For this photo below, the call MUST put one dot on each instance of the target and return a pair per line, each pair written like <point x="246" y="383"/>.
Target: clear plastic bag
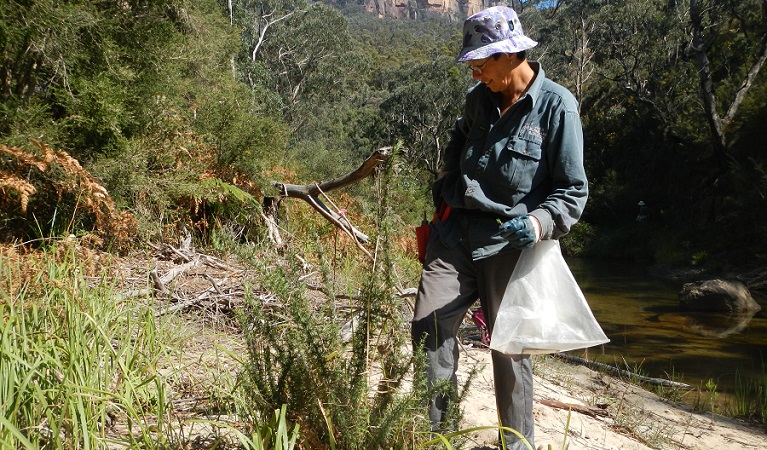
<point x="543" y="309"/>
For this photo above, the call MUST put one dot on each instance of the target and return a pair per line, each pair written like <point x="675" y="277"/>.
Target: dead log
<point x="598" y="366"/>
<point x="311" y="193"/>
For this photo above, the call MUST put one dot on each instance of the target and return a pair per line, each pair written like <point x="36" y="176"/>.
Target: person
<point x="644" y="211"/>
<point x="514" y="158"/>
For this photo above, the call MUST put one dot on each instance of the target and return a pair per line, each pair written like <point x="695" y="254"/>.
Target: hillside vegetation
<point x="127" y="126"/>
<point x="186" y="111"/>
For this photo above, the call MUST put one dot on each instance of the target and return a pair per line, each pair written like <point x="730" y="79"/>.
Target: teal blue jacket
<point x="528" y="161"/>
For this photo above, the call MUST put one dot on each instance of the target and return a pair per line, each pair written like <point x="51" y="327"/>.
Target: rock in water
<point x="717" y="296"/>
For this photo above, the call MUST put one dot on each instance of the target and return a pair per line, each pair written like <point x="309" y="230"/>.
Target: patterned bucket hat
<point x="493" y="30"/>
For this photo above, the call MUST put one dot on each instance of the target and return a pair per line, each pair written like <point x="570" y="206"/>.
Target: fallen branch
<point x="159" y="285"/>
<point x="310" y="193"/>
<point x="273" y="229"/>
<point x="620" y="372"/>
<point x="593" y="412"/>
<point x="178" y="270"/>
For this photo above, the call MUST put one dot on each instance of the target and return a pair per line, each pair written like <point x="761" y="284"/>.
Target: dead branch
<point x="184" y="304"/>
<point x="273" y="230"/>
<point x="593" y="412"/>
<point x="178" y="270"/>
<point x="205" y="295"/>
<point x="598" y="366"/>
<point x="310" y="193"/>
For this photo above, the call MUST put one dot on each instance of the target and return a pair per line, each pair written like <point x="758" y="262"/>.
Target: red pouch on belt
<point x="422" y="238"/>
<point x="422" y="231"/>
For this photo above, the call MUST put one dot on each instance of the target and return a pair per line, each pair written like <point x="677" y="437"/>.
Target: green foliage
<point x="153" y="97"/>
<point x="580" y="238"/>
<point x="392" y="43"/>
<point x="275" y="434"/>
<point x="70" y="362"/>
<point x="143" y="96"/>
<point x="297" y="357"/>
<point x="81" y="58"/>
<point x="751" y="397"/>
<point x="423" y="103"/>
<point x="243" y="142"/>
<point x="338" y="366"/>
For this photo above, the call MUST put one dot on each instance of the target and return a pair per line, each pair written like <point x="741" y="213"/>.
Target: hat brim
<point x="512" y="45"/>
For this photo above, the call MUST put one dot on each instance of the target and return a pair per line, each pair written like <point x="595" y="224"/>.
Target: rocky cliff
<point x="415" y="9"/>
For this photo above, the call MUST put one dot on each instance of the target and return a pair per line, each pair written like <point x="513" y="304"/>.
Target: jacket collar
<point x="533" y="93"/>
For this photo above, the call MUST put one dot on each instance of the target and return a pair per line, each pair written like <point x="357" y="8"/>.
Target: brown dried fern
<point x="91" y="196"/>
<point x="11" y="183"/>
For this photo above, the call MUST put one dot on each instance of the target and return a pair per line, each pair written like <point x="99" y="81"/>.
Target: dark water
<point x="640" y="315"/>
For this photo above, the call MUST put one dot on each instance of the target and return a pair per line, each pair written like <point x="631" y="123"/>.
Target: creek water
<point x="650" y="334"/>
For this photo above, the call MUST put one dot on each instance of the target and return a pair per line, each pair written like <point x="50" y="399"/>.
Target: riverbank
<point x="579" y="409"/>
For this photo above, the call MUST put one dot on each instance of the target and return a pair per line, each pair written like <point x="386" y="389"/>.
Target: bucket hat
<point x="493" y="30"/>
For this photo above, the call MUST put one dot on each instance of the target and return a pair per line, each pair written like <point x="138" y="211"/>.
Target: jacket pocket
<point x="519" y="164"/>
<point x="523" y="148"/>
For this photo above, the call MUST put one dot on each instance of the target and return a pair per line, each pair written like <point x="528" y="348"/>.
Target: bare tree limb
<point x="747" y="83"/>
<point x="311" y="192"/>
<point x="159" y="285"/>
<point x="595" y="365"/>
<point x="706" y="81"/>
<point x="266" y="25"/>
<point x="593" y="412"/>
<point x="366" y="169"/>
<point x="273" y="229"/>
<point x="717" y="123"/>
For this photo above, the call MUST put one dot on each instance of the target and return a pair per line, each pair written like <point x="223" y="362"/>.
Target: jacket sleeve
<point x="451" y="156"/>
<point x="452" y="153"/>
<point x="564" y="206"/>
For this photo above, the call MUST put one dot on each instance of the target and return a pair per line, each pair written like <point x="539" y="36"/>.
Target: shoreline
<point x="583" y="409"/>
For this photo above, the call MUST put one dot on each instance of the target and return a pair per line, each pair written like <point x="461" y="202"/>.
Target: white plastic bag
<point x="543" y="310"/>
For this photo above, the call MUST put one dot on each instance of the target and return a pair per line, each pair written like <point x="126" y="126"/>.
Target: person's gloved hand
<point x="519" y="231"/>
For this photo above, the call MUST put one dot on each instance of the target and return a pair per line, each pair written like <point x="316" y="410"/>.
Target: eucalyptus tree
<point x="294" y="49"/>
<point x="677" y="89"/>
<point x="674" y="57"/>
<point x="564" y="32"/>
<point x="729" y="43"/>
<point x="640" y="48"/>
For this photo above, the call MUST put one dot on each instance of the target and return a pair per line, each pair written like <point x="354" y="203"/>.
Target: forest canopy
<point x="185" y="111"/>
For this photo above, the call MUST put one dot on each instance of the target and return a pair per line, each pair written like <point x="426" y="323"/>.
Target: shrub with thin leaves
<point x="342" y="368"/>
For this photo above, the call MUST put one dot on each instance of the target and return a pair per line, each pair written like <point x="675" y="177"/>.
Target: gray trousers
<point x="450" y="283"/>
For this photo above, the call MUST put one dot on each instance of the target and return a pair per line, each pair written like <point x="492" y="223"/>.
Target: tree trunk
<point x="718" y="124"/>
<point x="707" y="85"/>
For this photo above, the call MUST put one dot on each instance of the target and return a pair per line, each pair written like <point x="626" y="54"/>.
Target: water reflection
<point x="719" y="325"/>
<point x="647" y="329"/>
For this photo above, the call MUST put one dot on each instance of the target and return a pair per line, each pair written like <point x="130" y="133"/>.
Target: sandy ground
<point x="607" y="413"/>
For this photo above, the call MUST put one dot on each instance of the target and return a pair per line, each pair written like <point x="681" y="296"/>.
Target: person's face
<point x="494" y="72"/>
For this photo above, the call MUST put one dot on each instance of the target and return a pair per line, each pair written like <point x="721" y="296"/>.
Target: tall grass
<point x="74" y="361"/>
<point x="751" y="397"/>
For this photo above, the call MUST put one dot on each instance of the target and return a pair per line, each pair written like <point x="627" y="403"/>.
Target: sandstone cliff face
<point x="415" y="9"/>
